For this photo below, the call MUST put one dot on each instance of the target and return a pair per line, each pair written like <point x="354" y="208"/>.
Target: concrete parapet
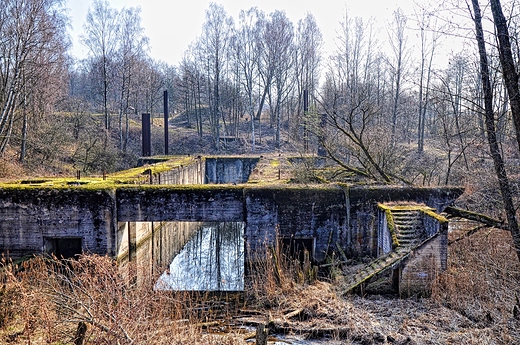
<point x="316" y="214"/>
<point x="179" y="203"/>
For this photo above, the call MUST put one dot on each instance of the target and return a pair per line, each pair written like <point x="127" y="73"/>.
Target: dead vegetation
<point x="93" y="301"/>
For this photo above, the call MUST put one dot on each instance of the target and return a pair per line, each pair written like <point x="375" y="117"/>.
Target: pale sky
<point x="173" y="25"/>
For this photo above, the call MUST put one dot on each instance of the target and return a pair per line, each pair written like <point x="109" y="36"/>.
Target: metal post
<point x="305" y="110"/>
<point x="146" y="135"/>
<point x="322" y="152"/>
<point x="165" y="96"/>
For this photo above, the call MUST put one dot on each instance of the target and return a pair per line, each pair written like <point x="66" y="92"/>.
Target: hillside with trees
<point x="391" y="104"/>
<point x="381" y="107"/>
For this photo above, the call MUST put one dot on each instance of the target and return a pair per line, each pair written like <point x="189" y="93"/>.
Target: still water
<point x="212" y="260"/>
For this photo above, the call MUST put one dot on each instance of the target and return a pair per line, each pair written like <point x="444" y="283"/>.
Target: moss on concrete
<point x="429" y="211"/>
<point x="134" y="176"/>
<point x="391" y="224"/>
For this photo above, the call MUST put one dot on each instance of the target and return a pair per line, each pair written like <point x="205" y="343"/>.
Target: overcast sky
<point x="173" y="25"/>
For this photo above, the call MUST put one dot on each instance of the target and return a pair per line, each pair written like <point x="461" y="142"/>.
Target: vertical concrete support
<point x="132" y="241"/>
<point x="166" y="114"/>
<point x="146" y="135"/>
<point x="384" y="237"/>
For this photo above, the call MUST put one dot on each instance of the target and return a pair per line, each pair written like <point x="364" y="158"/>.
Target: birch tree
<point x="32" y="44"/>
<point x="214" y="42"/>
<point x="100" y="37"/>
<point x="279" y="36"/>
<point x="247" y="52"/>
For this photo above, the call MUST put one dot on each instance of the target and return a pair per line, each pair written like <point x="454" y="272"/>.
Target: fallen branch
<point x="454" y="212"/>
<point x="468" y="234"/>
<point x="249" y="335"/>
<point x="292" y="314"/>
<point x="207" y="324"/>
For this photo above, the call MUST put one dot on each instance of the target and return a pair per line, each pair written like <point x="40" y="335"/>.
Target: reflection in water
<point x="213" y="260"/>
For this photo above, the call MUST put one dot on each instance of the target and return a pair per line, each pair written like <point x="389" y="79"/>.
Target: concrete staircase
<point x="374" y="268"/>
<point x="409" y="230"/>
<point x="408" y="226"/>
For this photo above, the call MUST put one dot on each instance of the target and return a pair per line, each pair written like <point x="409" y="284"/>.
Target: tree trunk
<point x="23" y="147"/>
<point x="505" y="189"/>
<point x="508" y="64"/>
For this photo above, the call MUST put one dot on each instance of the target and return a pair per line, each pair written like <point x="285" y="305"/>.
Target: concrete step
<point x="408" y="224"/>
<point x="378" y="266"/>
<point x="406" y="238"/>
<point x="373" y="268"/>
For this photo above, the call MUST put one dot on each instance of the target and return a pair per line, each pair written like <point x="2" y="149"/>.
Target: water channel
<point x="211" y="260"/>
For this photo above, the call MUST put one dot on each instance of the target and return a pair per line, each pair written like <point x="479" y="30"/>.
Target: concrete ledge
<point x="180" y="203"/>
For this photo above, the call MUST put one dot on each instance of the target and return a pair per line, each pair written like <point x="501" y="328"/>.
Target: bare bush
<point x="481" y="282"/>
<point x="46" y="299"/>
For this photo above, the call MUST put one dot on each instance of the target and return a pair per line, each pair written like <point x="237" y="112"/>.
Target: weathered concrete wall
<point x="221" y="170"/>
<point x="362" y="237"/>
<point x="176" y="203"/>
<point x="423" y="265"/>
<point x="329" y="215"/>
<point x="229" y="169"/>
<point x="193" y="173"/>
<point x="297" y="212"/>
<point x="28" y="215"/>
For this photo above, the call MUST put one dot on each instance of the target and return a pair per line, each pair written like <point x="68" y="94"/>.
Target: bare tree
<point x="101" y="33"/>
<point x="308" y="58"/>
<point x="509" y="70"/>
<point x="350" y="102"/>
<point x="278" y="38"/>
<point x="503" y="181"/>
<point x="426" y="25"/>
<point x="31" y="40"/>
<point x="192" y="88"/>
<point x="247" y="50"/>
<point x="398" y="41"/>
<point x="132" y="47"/>
<point x="214" y="42"/>
<point x="450" y="100"/>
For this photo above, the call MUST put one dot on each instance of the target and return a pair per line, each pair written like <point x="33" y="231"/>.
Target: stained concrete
<point x="329" y="214"/>
<point x="29" y="215"/>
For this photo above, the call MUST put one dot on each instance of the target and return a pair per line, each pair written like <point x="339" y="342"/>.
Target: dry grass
<point x="472" y="303"/>
<point x="42" y="302"/>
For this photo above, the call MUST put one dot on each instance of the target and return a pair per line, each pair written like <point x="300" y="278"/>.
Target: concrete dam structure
<point x="397" y="226"/>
